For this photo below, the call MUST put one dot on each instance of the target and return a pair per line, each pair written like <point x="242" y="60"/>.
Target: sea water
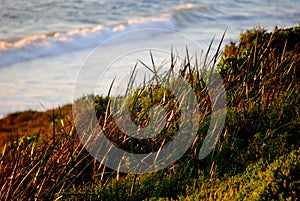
<point x="45" y="44"/>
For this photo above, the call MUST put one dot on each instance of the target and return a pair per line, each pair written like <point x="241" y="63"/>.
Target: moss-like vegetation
<point x="256" y="158"/>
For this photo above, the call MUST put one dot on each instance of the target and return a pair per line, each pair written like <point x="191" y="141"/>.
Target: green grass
<point x="256" y="158"/>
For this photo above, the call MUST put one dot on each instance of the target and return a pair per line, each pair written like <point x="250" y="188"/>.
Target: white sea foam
<point x="57" y="43"/>
<point x="185" y="6"/>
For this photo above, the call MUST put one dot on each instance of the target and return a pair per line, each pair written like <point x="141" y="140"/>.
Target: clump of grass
<point x="39" y="167"/>
<point x="261" y="76"/>
<point x="263" y="118"/>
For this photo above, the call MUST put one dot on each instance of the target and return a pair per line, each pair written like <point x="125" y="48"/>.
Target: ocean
<point x="46" y="45"/>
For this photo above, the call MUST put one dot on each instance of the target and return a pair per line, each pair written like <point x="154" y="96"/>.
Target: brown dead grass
<point x="30" y="122"/>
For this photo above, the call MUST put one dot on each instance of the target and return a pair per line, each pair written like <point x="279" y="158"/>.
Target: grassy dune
<point x="30" y="122"/>
<point x="256" y="158"/>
